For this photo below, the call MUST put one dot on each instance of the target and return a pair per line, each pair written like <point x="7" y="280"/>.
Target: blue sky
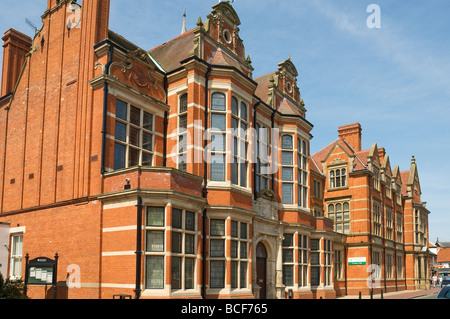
<point x="394" y="80"/>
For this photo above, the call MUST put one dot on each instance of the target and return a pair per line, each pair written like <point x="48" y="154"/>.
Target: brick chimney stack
<point x="15" y="47"/>
<point x="352" y="134"/>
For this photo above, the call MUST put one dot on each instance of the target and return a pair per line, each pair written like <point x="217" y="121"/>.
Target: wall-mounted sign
<point x="41" y="271"/>
<point x="357" y="261"/>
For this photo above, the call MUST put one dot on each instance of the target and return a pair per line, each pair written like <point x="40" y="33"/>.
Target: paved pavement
<point x="406" y="294"/>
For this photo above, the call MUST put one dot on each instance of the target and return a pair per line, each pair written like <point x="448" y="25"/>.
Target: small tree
<point x="11" y="289"/>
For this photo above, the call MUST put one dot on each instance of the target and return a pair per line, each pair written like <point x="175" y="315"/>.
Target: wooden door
<point x="261" y="270"/>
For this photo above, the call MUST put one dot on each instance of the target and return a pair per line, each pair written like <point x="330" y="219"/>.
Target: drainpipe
<point x="205" y="182"/>
<point x="256" y="150"/>
<point x="273" y="127"/>
<point x="105" y="106"/>
<point x="345" y="268"/>
<point x="395" y="239"/>
<point x="166" y="122"/>
<point x="383" y="216"/>
<point x="370" y="222"/>
<point x="138" y="248"/>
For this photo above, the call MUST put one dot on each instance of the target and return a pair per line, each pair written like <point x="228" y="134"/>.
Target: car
<point x="444" y="293"/>
<point x="445" y="280"/>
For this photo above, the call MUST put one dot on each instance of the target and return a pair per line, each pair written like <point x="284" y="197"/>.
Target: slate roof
<point x="262" y="91"/>
<point x="170" y="54"/>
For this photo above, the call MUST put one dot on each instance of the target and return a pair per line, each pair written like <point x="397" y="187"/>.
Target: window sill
<point x="337" y="189"/>
<point x="227" y="186"/>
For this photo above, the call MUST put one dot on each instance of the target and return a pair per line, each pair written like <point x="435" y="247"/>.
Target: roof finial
<point x="184" y="29"/>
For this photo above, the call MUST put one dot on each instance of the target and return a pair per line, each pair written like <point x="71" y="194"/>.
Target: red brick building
<point x="379" y="210"/>
<point x="172" y="173"/>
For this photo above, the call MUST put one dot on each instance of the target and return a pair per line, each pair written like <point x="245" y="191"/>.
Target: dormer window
<point x="338" y="178"/>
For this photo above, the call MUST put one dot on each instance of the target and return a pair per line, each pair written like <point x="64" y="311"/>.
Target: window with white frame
<point x="133" y="136"/>
<point x="182" y="132"/>
<point x="389" y="223"/>
<point x="184" y="250"/>
<point x="338" y="264"/>
<point x="239" y="254"/>
<point x="16" y="256"/>
<point x="303" y="260"/>
<point x="218" y="137"/>
<point x="399" y="194"/>
<point x="217" y="253"/>
<point x="376" y="219"/>
<point x="399" y="267"/>
<point x="302" y="166"/>
<point x="338" y="177"/>
<point x="388" y="187"/>
<point x="340" y="213"/>
<point x="327" y="264"/>
<point x="315" y="262"/>
<point x="183" y="253"/>
<point x="376" y="260"/>
<point x="262" y="157"/>
<point x="155" y="247"/>
<point x="376" y="179"/>
<point x="399" y="227"/>
<point x="317" y="189"/>
<point x="288" y="260"/>
<point x="239" y="126"/>
<point x="287" y="169"/>
<point x="389" y="266"/>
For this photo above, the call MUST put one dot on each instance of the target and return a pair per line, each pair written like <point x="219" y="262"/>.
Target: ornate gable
<point x="223" y="26"/>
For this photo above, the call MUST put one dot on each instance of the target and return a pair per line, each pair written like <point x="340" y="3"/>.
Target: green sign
<point x="357" y="261"/>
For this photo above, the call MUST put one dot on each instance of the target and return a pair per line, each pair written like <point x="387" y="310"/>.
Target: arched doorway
<point x="261" y="270"/>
